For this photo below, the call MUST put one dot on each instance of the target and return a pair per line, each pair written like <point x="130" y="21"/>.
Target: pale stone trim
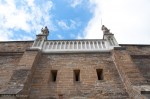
<point x="73" y="45"/>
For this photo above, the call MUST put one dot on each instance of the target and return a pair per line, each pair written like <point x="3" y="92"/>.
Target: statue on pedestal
<point x="45" y="31"/>
<point x="105" y="29"/>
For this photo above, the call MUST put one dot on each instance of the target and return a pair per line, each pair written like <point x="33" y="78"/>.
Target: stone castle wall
<point x="88" y="87"/>
<point x="8" y="64"/>
<point x="15" y="46"/>
<point x="123" y="70"/>
<point x="140" y="55"/>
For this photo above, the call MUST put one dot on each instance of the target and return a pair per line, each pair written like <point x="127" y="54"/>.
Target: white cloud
<point x="60" y="36"/>
<point x="24" y="15"/>
<point x="128" y="20"/>
<point x="71" y="24"/>
<point x="4" y="34"/>
<point x="74" y="24"/>
<point x="23" y="37"/>
<point x="75" y="3"/>
<point x="63" y="25"/>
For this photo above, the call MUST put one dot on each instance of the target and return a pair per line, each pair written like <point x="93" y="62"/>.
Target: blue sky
<point x="129" y="20"/>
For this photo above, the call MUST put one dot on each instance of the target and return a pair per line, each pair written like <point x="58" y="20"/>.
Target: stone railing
<point x="72" y="45"/>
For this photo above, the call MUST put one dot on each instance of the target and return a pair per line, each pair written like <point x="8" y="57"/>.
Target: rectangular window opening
<point x="53" y="75"/>
<point x="77" y="75"/>
<point x="99" y="74"/>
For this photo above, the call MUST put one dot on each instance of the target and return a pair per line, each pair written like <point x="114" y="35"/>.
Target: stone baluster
<point x="89" y="44"/>
<point x="73" y="47"/>
<point x="65" y="44"/>
<point x="93" y="44"/>
<point x="44" y="45"/>
<point x="42" y="42"/>
<point x="61" y="45"/>
<point x="109" y="40"/>
<point x="77" y="44"/>
<point x="85" y="45"/>
<point x="52" y="45"/>
<point x="101" y="44"/>
<point x="74" y="44"/>
<point x="104" y="45"/>
<point x="112" y="41"/>
<point x="97" y="44"/>
<point x="58" y="45"/>
<point x="34" y="44"/>
<point x="37" y="43"/>
<point x="81" y="44"/>
<point x="49" y="45"/>
<point x="68" y="44"/>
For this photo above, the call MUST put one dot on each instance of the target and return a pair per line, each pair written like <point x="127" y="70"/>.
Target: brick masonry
<point x="88" y="86"/>
<point x="130" y="64"/>
<point x="15" y="46"/>
<point x="8" y="63"/>
<point x="26" y="73"/>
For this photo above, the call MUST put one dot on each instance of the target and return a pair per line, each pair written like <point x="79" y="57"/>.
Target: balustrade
<point x="75" y="45"/>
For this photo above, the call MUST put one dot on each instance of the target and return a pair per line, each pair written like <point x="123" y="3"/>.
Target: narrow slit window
<point x="53" y="75"/>
<point x="99" y="74"/>
<point x="77" y="75"/>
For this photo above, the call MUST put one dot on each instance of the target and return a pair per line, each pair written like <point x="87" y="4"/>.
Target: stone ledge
<point x="10" y="53"/>
<point x="32" y="49"/>
<point x="79" y="52"/>
<point x="119" y="48"/>
<point x="12" y="91"/>
<point x="143" y="89"/>
<point x="140" y="56"/>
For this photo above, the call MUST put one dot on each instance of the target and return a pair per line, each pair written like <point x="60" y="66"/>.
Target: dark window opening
<point x="99" y="74"/>
<point x="60" y="96"/>
<point x="53" y="75"/>
<point x="77" y="75"/>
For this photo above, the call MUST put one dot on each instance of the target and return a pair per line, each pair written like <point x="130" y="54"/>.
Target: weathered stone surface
<point x="88" y="86"/>
<point x="143" y="64"/>
<point x="137" y="49"/>
<point x="8" y="64"/>
<point x="19" y="75"/>
<point x="129" y="72"/>
<point x="26" y="73"/>
<point x="15" y="46"/>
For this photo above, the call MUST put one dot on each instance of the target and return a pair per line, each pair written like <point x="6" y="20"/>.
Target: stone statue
<point x="42" y="30"/>
<point x="45" y="31"/>
<point x="105" y="29"/>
